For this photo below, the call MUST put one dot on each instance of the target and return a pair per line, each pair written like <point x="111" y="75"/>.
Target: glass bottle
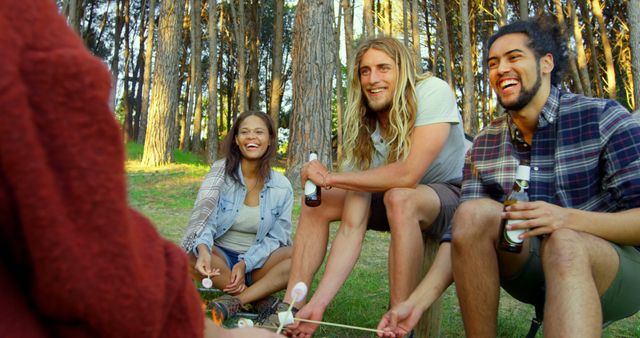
<point x="509" y="240"/>
<point x="312" y="192"/>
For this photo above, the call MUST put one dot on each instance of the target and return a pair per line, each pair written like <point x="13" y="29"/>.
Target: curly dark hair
<point x="545" y="36"/>
<point x="232" y="151"/>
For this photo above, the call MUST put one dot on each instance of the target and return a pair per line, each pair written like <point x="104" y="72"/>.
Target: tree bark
<point x="606" y="46"/>
<point x="581" y="58"/>
<point x="158" y="146"/>
<point x="196" y="69"/>
<point x="339" y="98"/>
<point x="415" y="35"/>
<point x="444" y="31"/>
<point x="573" y="70"/>
<point x="367" y="18"/>
<point x="523" y="5"/>
<point x="146" y="89"/>
<point x="277" y="85"/>
<point x="469" y="107"/>
<point x="239" y="34"/>
<point x="348" y="28"/>
<point x="313" y="48"/>
<point x="212" y="112"/>
<point x="595" y="67"/>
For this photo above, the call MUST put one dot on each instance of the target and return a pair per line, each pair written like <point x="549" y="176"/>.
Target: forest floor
<point x="166" y="195"/>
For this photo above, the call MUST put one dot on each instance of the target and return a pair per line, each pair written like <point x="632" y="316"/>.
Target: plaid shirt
<point x="585" y="154"/>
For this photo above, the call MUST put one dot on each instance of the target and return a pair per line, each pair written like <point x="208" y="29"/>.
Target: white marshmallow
<point x="299" y="291"/>
<point x="285" y="318"/>
<point x="207" y="282"/>
<point x="245" y="322"/>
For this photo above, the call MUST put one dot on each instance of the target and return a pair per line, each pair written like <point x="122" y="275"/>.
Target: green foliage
<point x="166" y="196"/>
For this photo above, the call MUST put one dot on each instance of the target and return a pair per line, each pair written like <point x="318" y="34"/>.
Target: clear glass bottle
<point x="312" y="192"/>
<point x="509" y="240"/>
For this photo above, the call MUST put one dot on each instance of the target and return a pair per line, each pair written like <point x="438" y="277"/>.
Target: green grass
<point x="166" y="195"/>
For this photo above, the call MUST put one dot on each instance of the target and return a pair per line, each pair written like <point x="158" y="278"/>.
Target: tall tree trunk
<point x="595" y="67"/>
<point x="415" y="34"/>
<point x="501" y="12"/>
<point x="388" y="24"/>
<point x="606" y="46"/>
<point x="239" y="33"/>
<point x="581" y="58"/>
<point x="444" y="31"/>
<point x="523" y="5"/>
<point x="339" y="98"/>
<point x="277" y="85"/>
<point x="254" y="57"/>
<point x="146" y="89"/>
<point x="115" y="62"/>
<point x="348" y="28"/>
<point x="73" y="16"/>
<point x="313" y="48"/>
<point x="405" y="22"/>
<point x="633" y="18"/>
<point x="158" y="146"/>
<point x="212" y="111"/>
<point x="196" y="69"/>
<point x="139" y="72"/>
<point x="573" y="70"/>
<point x="469" y="107"/>
<point x="126" y="101"/>
<point x="367" y="18"/>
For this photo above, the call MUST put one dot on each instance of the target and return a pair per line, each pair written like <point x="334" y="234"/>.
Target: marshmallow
<point x="298" y="292"/>
<point x="207" y="282"/>
<point x="285" y="318"/>
<point x="245" y="322"/>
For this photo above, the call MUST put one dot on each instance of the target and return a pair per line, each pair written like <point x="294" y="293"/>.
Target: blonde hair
<point x="360" y="122"/>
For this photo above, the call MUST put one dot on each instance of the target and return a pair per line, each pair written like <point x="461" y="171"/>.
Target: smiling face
<point x="378" y="78"/>
<point x="253" y="138"/>
<point x="514" y="71"/>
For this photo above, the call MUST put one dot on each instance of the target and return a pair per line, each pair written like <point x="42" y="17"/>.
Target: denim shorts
<point x="231" y="257"/>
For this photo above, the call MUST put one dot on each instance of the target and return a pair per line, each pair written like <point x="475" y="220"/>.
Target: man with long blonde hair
<point x="404" y="155"/>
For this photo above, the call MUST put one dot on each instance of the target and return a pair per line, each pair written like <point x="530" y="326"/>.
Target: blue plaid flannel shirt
<point x="585" y="155"/>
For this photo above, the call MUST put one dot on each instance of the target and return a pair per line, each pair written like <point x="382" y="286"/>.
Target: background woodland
<point x="182" y="70"/>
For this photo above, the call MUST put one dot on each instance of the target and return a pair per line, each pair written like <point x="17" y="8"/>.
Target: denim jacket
<point x="276" y="203"/>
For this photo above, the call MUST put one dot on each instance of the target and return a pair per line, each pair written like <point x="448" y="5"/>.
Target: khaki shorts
<point x="449" y="195"/>
<point x="621" y="299"/>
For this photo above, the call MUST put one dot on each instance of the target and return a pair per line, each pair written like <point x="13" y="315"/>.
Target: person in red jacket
<point x="75" y="260"/>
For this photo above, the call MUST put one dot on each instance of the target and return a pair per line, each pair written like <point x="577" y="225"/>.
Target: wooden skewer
<point x="338" y="325"/>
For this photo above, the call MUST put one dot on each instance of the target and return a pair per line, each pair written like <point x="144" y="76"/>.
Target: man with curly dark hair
<point x="578" y="261"/>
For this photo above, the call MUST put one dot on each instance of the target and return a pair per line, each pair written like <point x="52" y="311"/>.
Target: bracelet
<point x="324" y="180"/>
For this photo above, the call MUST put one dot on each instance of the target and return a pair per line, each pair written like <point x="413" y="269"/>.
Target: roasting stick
<point x="338" y="325"/>
<point x="297" y="294"/>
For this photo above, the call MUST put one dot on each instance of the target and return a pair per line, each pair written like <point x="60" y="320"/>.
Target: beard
<point x="526" y="95"/>
<point x="378" y="106"/>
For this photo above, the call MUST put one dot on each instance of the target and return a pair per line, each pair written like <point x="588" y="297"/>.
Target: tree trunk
<point x="128" y="111"/>
<point x="339" y="98"/>
<point x="595" y="67"/>
<point x="212" y="111"/>
<point x="444" y="31"/>
<point x="415" y="35"/>
<point x="196" y="69"/>
<point x="469" y="107"/>
<point x="501" y="12"/>
<point x="239" y="34"/>
<point x="277" y="85"/>
<point x="633" y="18"/>
<point x="606" y="46"/>
<point x="139" y="70"/>
<point x="388" y="24"/>
<point x="405" y="22"/>
<point x="115" y="62"/>
<point x="367" y="18"/>
<point x="158" y="146"/>
<point x="146" y="89"/>
<point x="348" y="28"/>
<point x="581" y="58"/>
<point x="573" y="70"/>
<point x="313" y="48"/>
<point x="254" y="57"/>
<point x="523" y="5"/>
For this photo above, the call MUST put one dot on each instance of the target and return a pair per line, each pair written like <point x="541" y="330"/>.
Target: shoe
<point x="224" y="307"/>
<point x="269" y="317"/>
<point x="264" y="304"/>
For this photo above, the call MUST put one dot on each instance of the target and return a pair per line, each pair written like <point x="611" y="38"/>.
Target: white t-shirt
<point x="436" y="104"/>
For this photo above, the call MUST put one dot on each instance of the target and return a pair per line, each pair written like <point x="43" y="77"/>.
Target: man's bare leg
<point x="578" y="269"/>
<point x="312" y="235"/>
<point x="475" y="265"/>
<point x="409" y="211"/>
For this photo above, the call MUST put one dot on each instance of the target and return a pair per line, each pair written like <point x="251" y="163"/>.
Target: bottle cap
<point x="523" y="172"/>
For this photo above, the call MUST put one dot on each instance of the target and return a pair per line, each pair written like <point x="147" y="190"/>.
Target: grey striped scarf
<point x="205" y="204"/>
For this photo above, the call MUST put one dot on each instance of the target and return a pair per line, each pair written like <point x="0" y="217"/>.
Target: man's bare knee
<point x="475" y="219"/>
<point x="562" y="250"/>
